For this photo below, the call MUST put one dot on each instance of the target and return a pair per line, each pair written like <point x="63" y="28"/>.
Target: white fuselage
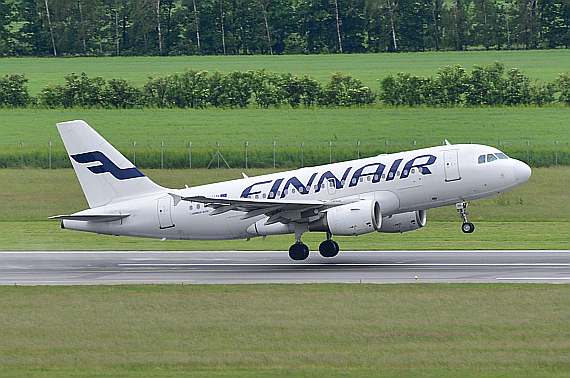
<point x="400" y="182"/>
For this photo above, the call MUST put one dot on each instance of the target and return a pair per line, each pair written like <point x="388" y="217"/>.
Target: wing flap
<point x="277" y="210"/>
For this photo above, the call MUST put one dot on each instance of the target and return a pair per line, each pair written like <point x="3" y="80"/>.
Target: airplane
<point x="385" y="193"/>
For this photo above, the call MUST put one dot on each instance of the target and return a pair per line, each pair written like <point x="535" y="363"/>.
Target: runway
<point x="232" y="267"/>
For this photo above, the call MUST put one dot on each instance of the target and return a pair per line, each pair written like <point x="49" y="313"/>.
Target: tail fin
<point x="105" y="175"/>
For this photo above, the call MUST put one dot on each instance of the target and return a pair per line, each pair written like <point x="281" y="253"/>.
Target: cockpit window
<point x="481" y="159"/>
<point x="501" y="155"/>
<point x="491" y="157"/>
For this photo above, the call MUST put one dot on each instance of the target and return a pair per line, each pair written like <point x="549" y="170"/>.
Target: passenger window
<point x="501" y="155"/>
<point x="481" y="159"/>
<point x="491" y="157"/>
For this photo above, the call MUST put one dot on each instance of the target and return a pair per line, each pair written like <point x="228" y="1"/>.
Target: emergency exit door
<point x="164" y="213"/>
<point x="451" y="166"/>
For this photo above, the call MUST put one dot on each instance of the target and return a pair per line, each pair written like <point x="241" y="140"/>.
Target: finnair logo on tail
<point x="106" y="165"/>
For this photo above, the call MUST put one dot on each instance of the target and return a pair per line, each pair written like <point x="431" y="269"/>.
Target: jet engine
<point x="352" y="219"/>
<point x="404" y="222"/>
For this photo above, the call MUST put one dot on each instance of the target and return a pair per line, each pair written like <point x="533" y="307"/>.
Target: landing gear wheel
<point x="468" y="227"/>
<point x="328" y="248"/>
<point x="298" y="251"/>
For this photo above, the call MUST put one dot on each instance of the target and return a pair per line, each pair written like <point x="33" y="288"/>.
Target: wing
<point x="283" y="211"/>
<point x="92" y="217"/>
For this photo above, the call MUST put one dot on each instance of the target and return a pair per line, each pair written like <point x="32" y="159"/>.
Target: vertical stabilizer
<point x="105" y="175"/>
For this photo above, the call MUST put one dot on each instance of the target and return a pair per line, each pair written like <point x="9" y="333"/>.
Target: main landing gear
<point x="300" y="251"/>
<point x="466" y="227"/>
<point x="328" y="248"/>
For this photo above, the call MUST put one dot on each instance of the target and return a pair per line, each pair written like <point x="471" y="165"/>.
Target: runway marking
<point x="537" y="251"/>
<point x="533" y="278"/>
<point x="338" y="264"/>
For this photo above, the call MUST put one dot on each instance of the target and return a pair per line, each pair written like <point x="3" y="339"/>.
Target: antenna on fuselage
<point x="447" y="143"/>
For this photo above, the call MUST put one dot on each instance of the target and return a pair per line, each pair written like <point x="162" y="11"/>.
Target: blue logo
<point x="374" y="170"/>
<point x="106" y="165"/>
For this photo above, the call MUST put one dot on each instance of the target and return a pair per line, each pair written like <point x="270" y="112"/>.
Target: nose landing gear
<point x="466" y="227"/>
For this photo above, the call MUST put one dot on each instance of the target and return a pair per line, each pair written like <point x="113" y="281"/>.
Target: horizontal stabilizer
<point x="92" y="217"/>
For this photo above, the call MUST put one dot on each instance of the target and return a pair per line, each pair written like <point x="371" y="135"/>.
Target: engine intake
<point x="404" y="222"/>
<point x="352" y="219"/>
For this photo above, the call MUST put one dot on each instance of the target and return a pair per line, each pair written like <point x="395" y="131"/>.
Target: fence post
<point x="134" y="153"/>
<point x="246" y="144"/>
<point x="330" y="152"/>
<point x="500" y="144"/>
<point x="414" y="144"/>
<point x="302" y="154"/>
<point x="273" y="155"/>
<point x="49" y="155"/>
<point x="527" y="152"/>
<point x="556" y="143"/>
<point x="358" y="150"/>
<point x="161" y="155"/>
<point x="22" y="144"/>
<point x="190" y="155"/>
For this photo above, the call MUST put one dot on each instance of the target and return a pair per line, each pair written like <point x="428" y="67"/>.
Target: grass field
<point x="541" y="65"/>
<point x="534" y="216"/>
<point x="290" y="127"/>
<point x="416" y="330"/>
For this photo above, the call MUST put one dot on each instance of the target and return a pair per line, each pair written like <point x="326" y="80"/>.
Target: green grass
<point x="534" y="216"/>
<point x="542" y="65"/>
<point x="290" y="127"/>
<point x="415" y="330"/>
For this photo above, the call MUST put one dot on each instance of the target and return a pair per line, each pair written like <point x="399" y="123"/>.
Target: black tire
<point x="328" y="248"/>
<point x="298" y="251"/>
<point x="468" y="227"/>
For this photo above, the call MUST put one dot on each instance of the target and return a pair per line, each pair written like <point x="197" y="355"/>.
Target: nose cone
<point x="522" y="172"/>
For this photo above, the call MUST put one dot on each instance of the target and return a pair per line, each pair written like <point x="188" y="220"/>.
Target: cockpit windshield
<point x="491" y="157"/>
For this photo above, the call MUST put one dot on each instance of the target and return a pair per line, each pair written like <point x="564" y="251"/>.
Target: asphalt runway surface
<point x="232" y="267"/>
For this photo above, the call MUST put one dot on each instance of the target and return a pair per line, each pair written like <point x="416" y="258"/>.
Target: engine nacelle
<point x="403" y="222"/>
<point x="352" y="219"/>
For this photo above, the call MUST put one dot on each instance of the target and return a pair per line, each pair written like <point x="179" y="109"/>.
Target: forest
<point x="244" y="27"/>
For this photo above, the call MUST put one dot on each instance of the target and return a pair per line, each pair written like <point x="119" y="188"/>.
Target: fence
<point x="189" y="155"/>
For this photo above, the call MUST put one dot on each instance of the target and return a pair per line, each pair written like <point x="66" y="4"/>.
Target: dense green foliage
<point x="488" y="86"/>
<point x="169" y="27"/>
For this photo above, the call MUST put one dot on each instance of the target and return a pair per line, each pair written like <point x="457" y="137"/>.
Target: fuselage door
<point x="164" y="214"/>
<point x="451" y="166"/>
<point x="331" y="186"/>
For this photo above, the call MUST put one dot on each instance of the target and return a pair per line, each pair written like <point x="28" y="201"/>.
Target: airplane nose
<point x="522" y="172"/>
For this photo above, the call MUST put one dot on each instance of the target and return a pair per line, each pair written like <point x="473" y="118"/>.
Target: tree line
<point x="491" y="85"/>
<point x="191" y="27"/>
